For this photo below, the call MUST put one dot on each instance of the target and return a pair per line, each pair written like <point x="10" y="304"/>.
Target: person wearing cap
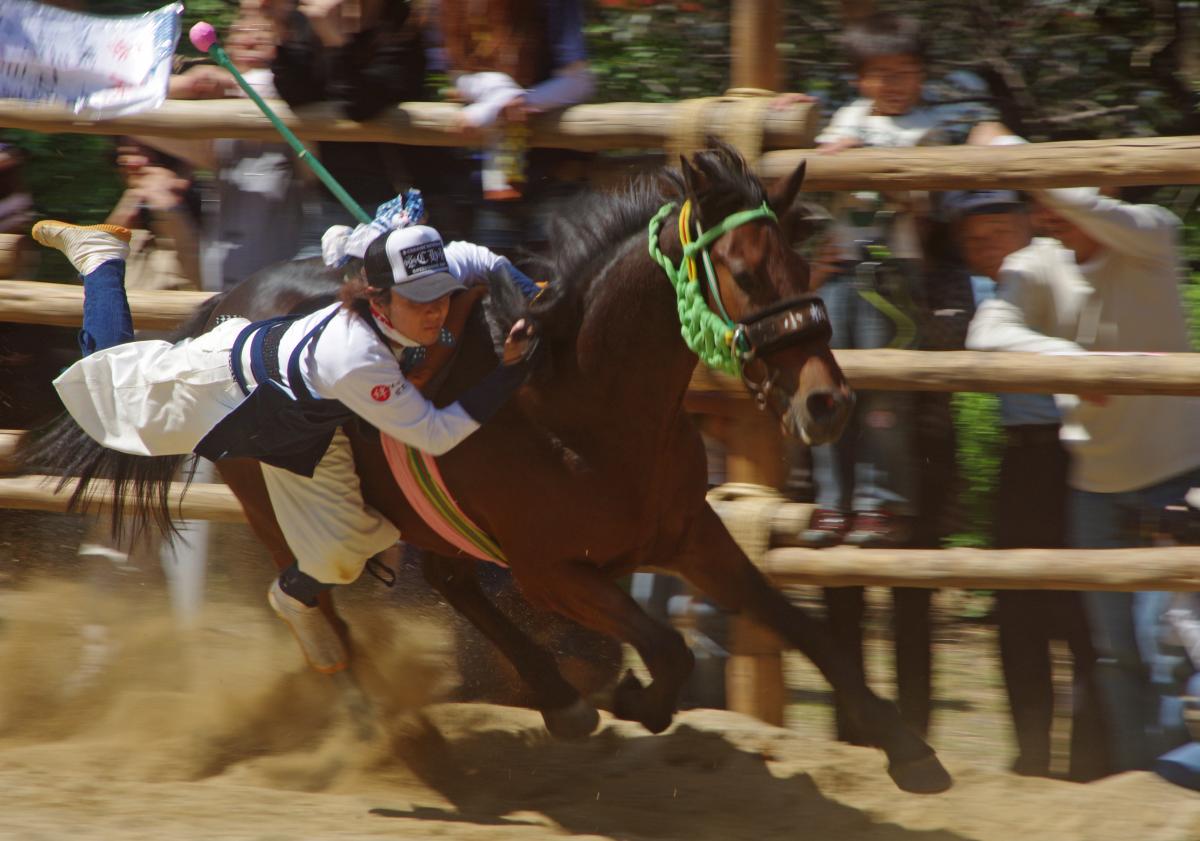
<point x="1111" y="284"/>
<point x="280" y="390"/>
<point x="1030" y="511"/>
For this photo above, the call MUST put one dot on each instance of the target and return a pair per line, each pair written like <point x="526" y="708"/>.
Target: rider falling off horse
<point x="279" y="391"/>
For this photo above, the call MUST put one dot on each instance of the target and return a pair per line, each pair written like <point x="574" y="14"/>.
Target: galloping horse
<point x="594" y="469"/>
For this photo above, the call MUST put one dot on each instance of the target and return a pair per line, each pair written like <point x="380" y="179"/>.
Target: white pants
<point x="328" y="527"/>
<point x="153" y="398"/>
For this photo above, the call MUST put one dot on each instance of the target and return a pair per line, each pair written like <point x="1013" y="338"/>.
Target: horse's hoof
<point x="626" y="697"/>
<point x="926" y="775"/>
<point x="576" y="721"/>
<point x="630" y="703"/>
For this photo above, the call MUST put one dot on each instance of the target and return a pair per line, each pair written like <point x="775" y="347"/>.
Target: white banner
<point x="99" y="66"/>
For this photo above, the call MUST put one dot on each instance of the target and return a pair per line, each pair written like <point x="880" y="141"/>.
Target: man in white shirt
<point x="1108" y="282"/>
<point x="1031" y="511"/>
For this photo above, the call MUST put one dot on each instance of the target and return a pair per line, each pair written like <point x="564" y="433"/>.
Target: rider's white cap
<point x="419" y="269"/>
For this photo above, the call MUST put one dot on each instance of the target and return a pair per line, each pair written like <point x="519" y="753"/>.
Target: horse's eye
<point x="744" y="279"/>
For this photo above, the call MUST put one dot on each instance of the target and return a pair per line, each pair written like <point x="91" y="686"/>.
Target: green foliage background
<point x="1059" y="69"/>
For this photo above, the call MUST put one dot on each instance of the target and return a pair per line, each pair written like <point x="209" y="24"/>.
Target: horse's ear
<point x="695" y="180"/>
<point x="783" y="193"/>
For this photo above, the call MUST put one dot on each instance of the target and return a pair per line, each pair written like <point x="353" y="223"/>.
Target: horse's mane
<point x="590" y="234"/>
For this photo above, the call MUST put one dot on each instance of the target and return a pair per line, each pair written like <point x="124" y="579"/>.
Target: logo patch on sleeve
<point x="381" y="393"/>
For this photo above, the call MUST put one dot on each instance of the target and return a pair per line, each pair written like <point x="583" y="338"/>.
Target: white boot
<point x="322" y="647"/>
<point x="88" y="247"/>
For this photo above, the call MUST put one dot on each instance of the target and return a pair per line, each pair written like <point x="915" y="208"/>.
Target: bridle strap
<point x="788" y="323"/>
<point x="705" y="239"/>
<point x="709" y="335"/>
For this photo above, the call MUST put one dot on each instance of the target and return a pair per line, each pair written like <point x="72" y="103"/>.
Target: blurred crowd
<point x="1052" y="271"/>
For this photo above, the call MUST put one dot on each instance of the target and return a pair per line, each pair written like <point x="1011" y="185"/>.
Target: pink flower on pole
<point x="203" y="36"/>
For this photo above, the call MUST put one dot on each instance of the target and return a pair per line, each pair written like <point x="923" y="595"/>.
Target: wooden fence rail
<point x="1158" y="568"/>
<point x="601" y="127"/>
<point x="32" y="302"/>
<point x="1077" y="163"/>
<point x="915" y="370"/>
<point x="61" y="305"/>
<point x="589" y="128"/>
<point x="1120" y="570"/>
<point x="201" y="501"/>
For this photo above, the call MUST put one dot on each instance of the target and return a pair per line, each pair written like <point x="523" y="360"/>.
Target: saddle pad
<point x="418" y="476"/>
<point x="417" y="473"/>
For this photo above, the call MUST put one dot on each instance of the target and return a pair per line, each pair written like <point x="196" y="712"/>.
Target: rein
<point x="719" y="341"/>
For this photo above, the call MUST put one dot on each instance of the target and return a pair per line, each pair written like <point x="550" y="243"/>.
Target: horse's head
<point x="758" y="284"/>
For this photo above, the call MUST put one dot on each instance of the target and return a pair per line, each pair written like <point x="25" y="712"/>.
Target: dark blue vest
<point x="269" y="425"/>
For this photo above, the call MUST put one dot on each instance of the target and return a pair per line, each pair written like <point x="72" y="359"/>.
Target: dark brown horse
<point x="594" y="470"/>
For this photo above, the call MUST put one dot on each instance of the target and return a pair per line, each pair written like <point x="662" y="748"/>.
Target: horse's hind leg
<point x="585" y="594"/>
<point x="715" y="564"/>
<point x="567" y="715"/>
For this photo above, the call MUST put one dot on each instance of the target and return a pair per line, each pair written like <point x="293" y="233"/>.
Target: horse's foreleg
<point x="566" y="714"/>
<point x="583" y="593"/>
<point x="714" y="563"/>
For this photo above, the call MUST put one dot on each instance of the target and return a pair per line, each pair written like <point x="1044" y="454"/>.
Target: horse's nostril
<point x="821" y="405"/>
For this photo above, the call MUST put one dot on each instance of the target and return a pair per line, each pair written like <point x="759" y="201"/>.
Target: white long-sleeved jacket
<point x="349" y="362"/>
<point x="1124" y="300"/>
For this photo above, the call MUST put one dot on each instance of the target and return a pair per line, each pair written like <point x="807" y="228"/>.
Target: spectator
<point x="158" y="207"/>
<point x="508" y="60"/>
<point x="253" y="212"/>
<point x="1109" y="284"/>
<point x="31" y="355"/>
<point x="1031" y="511"/>
<point x="865" y="484"/>
<point x="363" y="56"/>
<point x="15" y="214"/>
<point x="883" y="295"/>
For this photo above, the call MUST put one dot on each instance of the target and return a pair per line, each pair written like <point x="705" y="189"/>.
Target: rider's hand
<point x="517" y="343"/>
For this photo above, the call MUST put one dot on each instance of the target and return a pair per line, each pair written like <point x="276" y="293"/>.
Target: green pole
<point x="203" y="37"/>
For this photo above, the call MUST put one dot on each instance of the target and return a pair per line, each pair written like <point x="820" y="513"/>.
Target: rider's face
<point x="419" y="322"/>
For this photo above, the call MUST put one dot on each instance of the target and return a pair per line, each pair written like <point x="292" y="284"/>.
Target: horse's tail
<point x="140" y="490"/>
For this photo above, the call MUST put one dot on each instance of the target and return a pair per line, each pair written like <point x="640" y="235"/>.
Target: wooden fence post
<point x="756" y="25"/>
<point x="754" y="674"/>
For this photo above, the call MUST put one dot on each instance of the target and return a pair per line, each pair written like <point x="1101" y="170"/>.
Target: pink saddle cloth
<point x="418" y="476"/>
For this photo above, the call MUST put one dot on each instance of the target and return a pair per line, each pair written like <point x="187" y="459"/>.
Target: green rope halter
<point x="708" y="335"/>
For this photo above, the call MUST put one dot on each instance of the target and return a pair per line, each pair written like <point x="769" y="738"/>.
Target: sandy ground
<point x="114" y="724"/>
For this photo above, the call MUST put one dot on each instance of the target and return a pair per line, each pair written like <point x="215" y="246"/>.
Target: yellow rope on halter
<point x="685" y="237"/>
